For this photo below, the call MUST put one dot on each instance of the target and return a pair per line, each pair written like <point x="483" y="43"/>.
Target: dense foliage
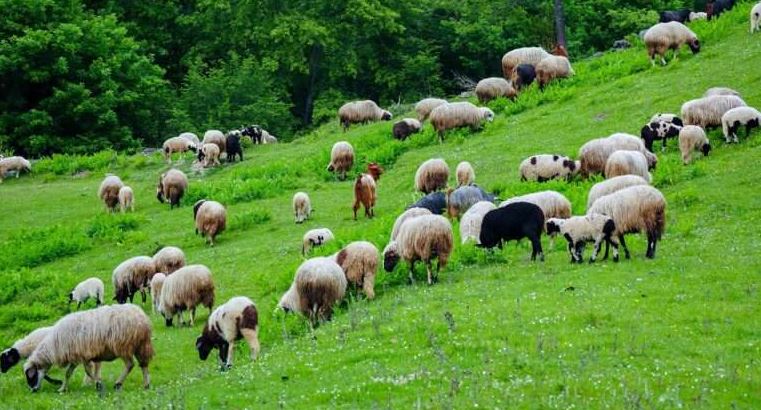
<point x="80" y="76"/>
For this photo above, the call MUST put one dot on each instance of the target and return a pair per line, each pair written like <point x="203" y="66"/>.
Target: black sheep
<point x="514" y="221"/>
<point x="716" y="8"/>
<point x="403" y="129"/>
<point x="232" y="146"/>
<point x="659" y="130"/>
<point x="254" y="132"/>
<point x="525" y="75"/>
<point x="681" y="16"/>
<point x="435" y="202"/>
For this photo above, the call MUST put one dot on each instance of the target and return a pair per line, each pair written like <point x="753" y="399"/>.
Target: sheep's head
<point x="706" y="149"/>
<point x="34" y="376"/>
<point x="375" y="170"/>
<point x="9" y="358"/>
<point x="160" y="189"/>
<point x="121" y="294"/>
<point x="488" y="114"/>
<point x="652" y="160"/>
<point x="204" y="344"/>
<point x="694" y="45"/>
<point x="386" y="116"/>
<point x="553" y="226"/>
<point x="390" y="256"/>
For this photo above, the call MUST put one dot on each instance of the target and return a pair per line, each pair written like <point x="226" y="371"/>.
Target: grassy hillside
<point x="682" y="330"/>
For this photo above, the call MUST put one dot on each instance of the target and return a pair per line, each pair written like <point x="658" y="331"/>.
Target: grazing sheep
<point x="461" y="199"/>
<point x="22" y="349"/>
<point x="667" y="118"/>
<point x="315" y="237"/>
<point x="424" y="107"/>
<point x="693" y="138"/>
<point x="459" y="114"/>
<point x="707" y="111"/>
<point x="659" y="130"/>
<point x="97" y="335"/>
<point x="237" y="319"/>
<point x="551" y="68"/>
<point x="627" y="163"/>
<point x="172" y="186"/>
<point x="157" y="284"/>
<point x="187" y="288"/>
<point x="217" y="138"/>
<point x="423" y="238"/>
<point x="109" y="191"/>
<point x="672" y="35"/>
<point x="700" y="15"/>
<point x="126" y="199"/>
<point x="542" y="168"/>
<point x="232" y="145"/>
<point x="612" y="185"/>
<point x="523" y="75"/>
<point x="178" y="144"/>
<point x="255" y="132"/>
<point x="681" y="16"/>
<point x="465" y="174"/>
<point x="634" y="209"/>
<point x="721" y="91"/>
<point x="755" y="18"/>
<point x="514" y="221"/>
<point x="494" y="87"/>
<point x="435" y="202"/>
<point x="208" y="155"/>
<point x="211" y="219"/>
<point x="364" y="193"/>
<point x="578" y="230"/>
<point x="192" y="138"/>
<point x="131" y="276"/>
<point x="736" y="117"/>
<point x="341" y="159"/>
<point x="594" y="153"/>
<point x="432" y="175"/>
<point x="553" y="204"/>
<point x="410" y="213"/>
<point x="88" y="288"/>
<point x="406" y="127"/>
<point x="524" y="55"/>
<point x="361" y="112"/>
<point x="319" y="283"/>
<point x="302" y="207"/>
<point x="718" y="7"/>
<point x="359" y="261"/>
<point x="470" y="223"/>
<point x="169" y="259"/>
<point x="14" y="164"/>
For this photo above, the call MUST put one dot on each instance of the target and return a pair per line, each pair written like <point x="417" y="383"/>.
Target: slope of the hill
<point x="682" y="330"/>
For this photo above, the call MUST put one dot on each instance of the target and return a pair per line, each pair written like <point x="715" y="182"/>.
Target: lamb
<point x="423" y="238"/>
<point x="126" y="199"/>
<point x="755" y="18"/>
<point x="435" y="202"/>
<point x="359" y="261"/>
<point x="681" y="16"/>
<point x="740" y="116"/>
<point x="406" y="127"/>
<point x="624" y="162"/>
<point x="544" y="167"/>
<point x="551" y="68"/>
<point x="88" y="288"/>
<point x="672" y="35"/>
<point x="217" y="138"/>
<point x="14" y="164"/>
<point x="172" y="186"/>
<point x="208" y="155"/>
<point x="523" y="75"/>
<point x="459" y="114"/>
<point x="470" y="223"/>
<point x="302" y="207"/>
<point x="494" y="87"/>
<point x="168" y="259"/>
<point x="211" y="219"/>
<point x="131" y="276"/>
<point x="315" y="237"/>
<point x="513" y="221"/>
<point x="524" y="55"/>
<point x="707" y="111"/>
<point x="97" y="335"/>
<point x="693" y="138"/>
<point x="461" y="199"/>
<point x="236" y="319"/>
<point x="718" y="7"/>
<point x="634" y="209"/>
<point x="364" y="193"/>
<point x="178" y="144"/>
<point x="374" y="170"/>
<point x="232" y="146"/>
<point x="659" y="130"/>
<point x="612" y="185"/>
<point x="465" y="174"/>
<point x="109" y="191"/>
<point x="432" y="175"/>
<point x="187" y="288"/>
<point x="553" y="204"/>
<point x="695" y="16"/>
<point x="319" y="283"/>
<point x="667" y="118"/>
<point x="720" y="91"/>
<point x="410" y="213"/>
<point x="424" y="107"/>
<point x="22" y="349"/>
<point x="361" y="112"/>
<point x="157" y="284"/>
<point x="341" y="159"/>
<point x="578" y="230"/>
<point x="594" y="153"/>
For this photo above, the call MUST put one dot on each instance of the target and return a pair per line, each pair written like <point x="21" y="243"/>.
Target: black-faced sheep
<point x="217" y="138"/>
<point x="551" y="68"/>
<point x="733" y="119"/>
<point x="494" y="87"/>
<point x="406" y="127"/>
<point x="465" y="174"/>
<point x="432" y="175"/>
<point x="435" y="202"/>
<point x="423" y="238"/>
<point x="544" y="167"/>
<point x="157" y="283"/>
<point x="302" y="207"/>
<point x="22" y="349"/>
<point x="668" y="118"/>
<point x="208" y="155"/>
<point x="210" y="219"/>
<point x="233" y="147"/>
<point x="319" y="283"/>
<point x="718" y="7"/>
<point x="755" y="18"/>
<point x="315" y="237"/>
<point x="693" y="138"/>
<point x="424" y="107"/>
<point x="102" y="334"/>
<point x="131" y="276"/>
<point x="461" y="199"/>
<point x="594" y="153"/>
<point x="191" y="137"/>
<point x="126" y="199"/>
<point x="237" y="319"/>
<point x="359" y="261"/>
<point x="669" y="36"/>
<point x="14" y="164"/>
<point x="523" y="75"/>
<point x="470" y="223"/>
<point x="168" y="259"/>
<point x="410" y="213"/>
<point x="523" y="55"/>
<point x="680" y="16"/>
<point x="88" y="288"/>
<point x="659" y="130"/>
<point x="707" y="111"/>
<point x="109" y="191"/>
<point x="553" y="204"/>
<point x="187" y="288"/>
<point x="178" y="144"/>
<point x="364" y="193"/>
<point x="513" y="221"/>
<point x="341" y="159"/>
<point x="634" y="209"/>
<point x="459" y="114"/>
<point x="578" y="230"/>
<point x="627" y="163"/>
<point x="612" y="185"/>
<point x="721" y="91"/>
<point x="361" y="112"/>
<point x="172" y="186"/>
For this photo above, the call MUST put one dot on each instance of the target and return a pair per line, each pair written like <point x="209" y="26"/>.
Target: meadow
<point x="497" y="331"/>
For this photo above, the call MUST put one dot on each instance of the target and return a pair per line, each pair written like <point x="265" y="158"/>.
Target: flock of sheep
<point x="624" y="203"/>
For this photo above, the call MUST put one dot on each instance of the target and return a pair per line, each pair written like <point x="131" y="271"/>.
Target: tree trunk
<point x="559" y="23"/>
<point x="314" y="66"/>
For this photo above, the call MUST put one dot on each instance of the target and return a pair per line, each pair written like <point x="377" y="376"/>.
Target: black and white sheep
<point x="172" y="186"/>
<point x="513" y="221"/>
<point x="707" y="111"/>
<point x="470" y="223"/>
<point x="315" y="237"/>
<point x="578" y="230"/>
<point x="432" y="175"/>
<point x="624" y="162"/>
<point x="232" y="145"/>
<point x="359" y="261"/>
<point x="523" y="55"/>
<point x="319" y="283"/>
<point x="465" y="174"/>
<point x="22" y="349"/>
<point x="168" y="259"/>
<point x="659" y="130"/>
<point x="187" y="288"/>
<point x="735" y="118"/>
<point x="424" y="107"/>
<point x="237" y="319"/>
<point x="461" y="199"/>
<point x="341" y="159"/>
<point x="435" y="202"/>
<point x="423" y="238"/>
<point x="406" y="127"/>
<point x="361" y="112"/>
<point x="131" y="276"/>
<point x="494" y="87"/>
<point x="459" y="114"/>
<point x="210" y="219"/>
<point x="667" y="118"/>
<point x="302" y="207"/>
<point x="755" y="18"/>
<point x="523" y="75"/>
<point x="612" y="185"/>
<point x="14" y="164"/>
<point x="594" y="153"/>
<point x="87" y="289"/>
<point x="669" y="36"/>
<point x="108" y="191"/>
<point x="544" y="167"/>
<point x="693" y="138"/>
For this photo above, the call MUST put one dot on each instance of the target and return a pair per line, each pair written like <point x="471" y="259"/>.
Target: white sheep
<point x="432" y="175"/>
<point x="168" y="259"/>
<point x="494" y="87"/>
<point x="361" y="112"/>
<point x="126" y="199"/>
<point x="178" y="144"/>
<point x="470" y="223"/>
<point x="707" y="111"/>
<point x="319" y="283"/>
<point x="341" y="159"/>
<point x="459" y="114"/>
<point x="551" y="68"/>
<point x="209" y="155"/>
<point x="315" y="237"/>
<point x="545" y="167"/>
<point x="523" y="55"/>
<point x="108" y="191"/>
<point x="172" y="186"/>
<point x="408" y="214"/>
<point x="359" y="261"/>
<point x="755" y="18"/>
<point x="700" y="15"/>
<point x="578" y="230"/>
<point x="594" y="153"/>
<point x="465" y="174"/>
<point x="157" y="283"/>
<point x="131" y="276"/>
<point x="423" y="238"/>
<point x="14" y="164"/>
<point x="215" y="137"/>
<point x="612" y="185"/>
<point x="624" y="162"/>
<point x="191" y="137"/>
<point x="302" y="207"/>
<point x="692" y="138"/>
<point x="733" y="119"/>
<point x="187" y="288"/>
<point x="672" y="35"/>
<point x="424" y="107"/>
<point x="236" y="319"/>
<point x="88" y="288"/>
<point x="210" y="219"/>
<point x="552" y="203"/>
<point x="721" y="91"/>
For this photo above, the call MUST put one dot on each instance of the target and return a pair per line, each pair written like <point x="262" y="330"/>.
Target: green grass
<point x="498" y="331"/>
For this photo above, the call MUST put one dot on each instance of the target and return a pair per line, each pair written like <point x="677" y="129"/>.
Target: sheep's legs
<point x="252" y="338"/>
<point x="570" y="251"/>
<point x="355" y="208"/>
<point x="192" y="316"/>
<point x="93" y="373"/>
<point x="623" y="245"/>
<point x="430" y="274"/>
<point x="128" y="365"/>
<point x="230" y="350"/>
<point x="596" y="250"/>
<point x="66" y="378"/>
<point x="579" y="252"/>
<point x="651" y="241"/>
<point x="536" y="249"/>
<point x="412" y="271"/>
<point x="146" y="376"/>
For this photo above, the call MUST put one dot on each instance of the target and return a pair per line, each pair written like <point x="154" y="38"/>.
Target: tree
<point x="559" y="23"/>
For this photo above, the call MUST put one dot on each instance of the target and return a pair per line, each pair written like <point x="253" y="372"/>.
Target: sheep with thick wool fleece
<point x="210" y="219"/>
<point x="131" y="276"/>
<point x="178" y="144"/>
<point x="733" y="119"/>
<point x="551" y="68"/>
<point x="514" y="221"/>
<point x="14" y="164"/>
<point x="435" y="203"/>
<point x="359" y="261"/>
<point x="22" y="348"/>
<point x="406" y="127"/>
<point x="192" y="137"/>
<point x="461" y="199"/>
<point x="187" y="288"/>
<point x="706" y="112"/>
<point x="87" y="289"/>
<point x="302" y="207"/>
<point x="693" y="138"/>
<point x="465" y="174"/>
<point x="470" y="223"/>
<point x="578" y="230"/>
<point x="432" y="175"/>
<point x="423" y="238"/>
<point x="494" y="87"/>
<point x="319" y="283"/>
<point x="126" y="199"/>
<point x="625" y="162"/>
<point x="523" y="55"/>
<point x="713" y="91"/>
<point x="157" y="284"/>
<point x="612" y="185"/>
<point x="594" y="153"/>
<point x="544" y="167"/>
<point x="424" y="107"/>
<point x="217" y="138"/>
<point x="410" y="213"/>
<point x="669" y="36"/>
<point x="552" y="203"/>
<point x="315" y="237"/>
<point x="361" y="112"/>
<point x="341" y="159"/>
<point x="208" y="155"/>
<point x="237" y="319"/>
<point x="172" y="186"/>
<point x="108" y="191"/>
<point x="459" y="114"/>
<point x="168" y="259"/>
